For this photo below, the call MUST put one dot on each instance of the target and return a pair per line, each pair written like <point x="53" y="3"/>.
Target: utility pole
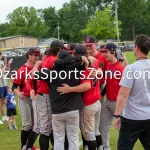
<point x="58" y="31"/>
<point x="117" y="26"/>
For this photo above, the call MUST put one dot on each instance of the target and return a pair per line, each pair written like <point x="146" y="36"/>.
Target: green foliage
<point x="134" y="16"/>
<point x="102" y="26"/>
<point x="4" y="30"/>
<point x="51" y="19"/>
<point x="78" y="18"/>
<point x="26" y="21"/>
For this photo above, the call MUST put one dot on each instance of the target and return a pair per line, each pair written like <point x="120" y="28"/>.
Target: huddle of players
<point x="59" y="107"/>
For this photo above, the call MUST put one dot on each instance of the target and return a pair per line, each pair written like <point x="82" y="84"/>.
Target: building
<point x="18" y="41"/>
<point x="46" y="42"/>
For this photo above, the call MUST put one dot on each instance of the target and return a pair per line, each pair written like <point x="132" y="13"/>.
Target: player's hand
<point x="32" y="95"/>
<point x="124" y="60"/>
<point x="21" y="95"/>
<point x="64" y="89"/>
<point x="85" y="61"/>
<point x="5" y="61"/>
<point x="97" y="72"/>
<point x="38" y="63"/>
<point x="117" y="123"/>
<point x="10" y="61"/>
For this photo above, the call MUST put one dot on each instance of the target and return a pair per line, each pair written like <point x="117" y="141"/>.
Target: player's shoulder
<point x="22" y="68"/>
<point x="119" y="66"/>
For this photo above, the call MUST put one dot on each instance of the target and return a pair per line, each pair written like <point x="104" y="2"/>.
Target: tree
<point x="26" y="21"/>
<point x="51" y="19"/>
<point x="74" y="17"/>
<point x="102" y="25"/>
<point x="133" y="16"/>
<point x="4" y="29"/>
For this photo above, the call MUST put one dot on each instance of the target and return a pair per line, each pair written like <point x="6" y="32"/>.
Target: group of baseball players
<point x="58" y="109"/>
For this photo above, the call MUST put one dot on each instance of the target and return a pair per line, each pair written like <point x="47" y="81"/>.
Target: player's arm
<point x="83" y="87"/>
<point x="124" y="61"/>
<point x="44" y="74"/>
<point x="16" y="90"/>
<point x="29" y="84"/>
<point x="71" y="61"/>
<point x="17" y="84"/>
<point x="5" y="65"/>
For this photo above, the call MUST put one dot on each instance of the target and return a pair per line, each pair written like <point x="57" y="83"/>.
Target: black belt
<point x="40" y="94"/>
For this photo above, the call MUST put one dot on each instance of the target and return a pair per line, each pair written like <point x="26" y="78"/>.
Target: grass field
<point x="10" y="140"/>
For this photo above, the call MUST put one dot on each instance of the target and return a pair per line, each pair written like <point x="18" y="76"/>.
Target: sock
<point x="99" y="141"/>
<point x="31" y="139"/>
<point x="24" y="137"/>
<point x="44" y="142"/>
<point x="66" y="146"/>
<point x="85" y="143"/>
<point x="92" y="145"/>
<point x="51" y="138"/>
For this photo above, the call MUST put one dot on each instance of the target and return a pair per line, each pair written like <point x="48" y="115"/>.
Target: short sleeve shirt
<point x="3" y="81"/>
<point x="137" y="78"/>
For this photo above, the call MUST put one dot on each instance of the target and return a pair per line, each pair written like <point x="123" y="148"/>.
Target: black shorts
<point x="11" y="112"/>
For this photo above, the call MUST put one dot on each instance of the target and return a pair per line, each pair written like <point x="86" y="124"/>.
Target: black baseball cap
<point x="63" y="54"/>
<point x="109" y="47"/>
<point x="57" y="44"/>
<point x="81" y="50"/>
<point x="71" y="47"/>
<point x="34" y="50"/>
<point x="89" y="40"/>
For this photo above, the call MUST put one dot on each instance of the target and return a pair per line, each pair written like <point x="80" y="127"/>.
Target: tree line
<point x="79" y="18"/>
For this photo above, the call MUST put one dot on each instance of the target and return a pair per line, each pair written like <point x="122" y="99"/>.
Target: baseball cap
<point x="89" y="40"/>
<point x="71" y="47"/>
<point x="109" y="46"/>
<point x="81" y="50"/>
<point x="46" y="52"/>
<point x="57" y="44"/>
<point x="64" y="54"/>
<point x="34" y="50"/>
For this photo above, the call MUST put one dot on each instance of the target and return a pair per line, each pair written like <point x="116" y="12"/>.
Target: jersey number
<point x="94" y="82"/>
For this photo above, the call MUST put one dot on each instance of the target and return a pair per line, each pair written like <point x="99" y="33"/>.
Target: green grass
<point x="10" y="140"/>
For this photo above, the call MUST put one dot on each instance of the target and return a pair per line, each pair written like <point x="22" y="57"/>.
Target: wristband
<point x="117" y="116"/>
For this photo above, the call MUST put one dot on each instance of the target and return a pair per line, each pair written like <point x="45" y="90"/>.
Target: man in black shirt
<point x="65" y="108"/>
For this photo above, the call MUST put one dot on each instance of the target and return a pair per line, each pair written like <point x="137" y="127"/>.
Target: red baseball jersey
<point x="92" y="95"/>
<point x="113" y="77"/>
<point x="21" y="78"/>
<point x="42" y="86"/>
<point x="102" y="60"/>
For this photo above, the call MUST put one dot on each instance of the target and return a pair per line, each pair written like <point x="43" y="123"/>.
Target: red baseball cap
<point x="89" y="40"/>
<point x="71" y="47"/>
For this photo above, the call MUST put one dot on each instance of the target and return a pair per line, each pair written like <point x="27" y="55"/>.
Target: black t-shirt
<point x="61" y="103"/>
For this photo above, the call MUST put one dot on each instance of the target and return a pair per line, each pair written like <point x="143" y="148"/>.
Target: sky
<point x="7" y="6"/>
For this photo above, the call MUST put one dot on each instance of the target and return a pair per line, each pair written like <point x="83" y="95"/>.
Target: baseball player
<point x="24" y="100"/>
<point x="71" y="48"/>
<point x="65" y="105"/>
<point x="90" y="43"/>
<point x="31" y="85"/>
<point x="112" y="89"/>
<point x="43" y="99"/>
<point x="90" y="114"/>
